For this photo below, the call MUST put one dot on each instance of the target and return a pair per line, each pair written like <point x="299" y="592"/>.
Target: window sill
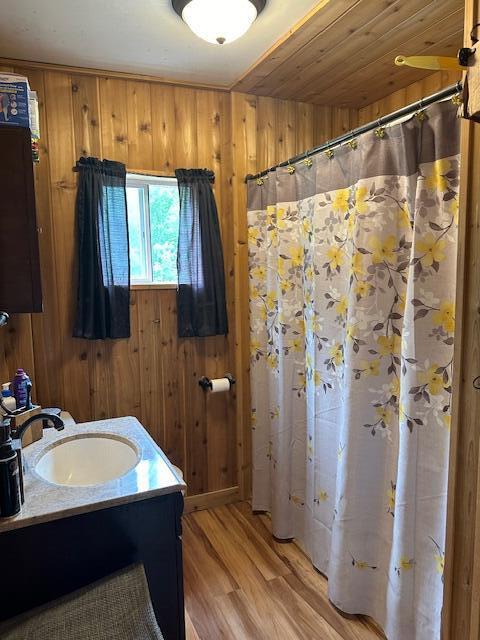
<point x="147" y="286"/>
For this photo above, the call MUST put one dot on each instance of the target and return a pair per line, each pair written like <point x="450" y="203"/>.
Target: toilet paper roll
<point x="220" y="385"/>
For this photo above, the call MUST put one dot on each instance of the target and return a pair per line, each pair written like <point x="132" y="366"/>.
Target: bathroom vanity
<point x="69" y="535"/>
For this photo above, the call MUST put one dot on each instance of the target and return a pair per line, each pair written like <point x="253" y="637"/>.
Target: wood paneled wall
<point x="154" y="375"/>
<point x="412" y="93"/>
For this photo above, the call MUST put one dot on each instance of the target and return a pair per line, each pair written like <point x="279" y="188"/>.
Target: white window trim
<point x="143" y="180"/>
<point x="136" y="285"/>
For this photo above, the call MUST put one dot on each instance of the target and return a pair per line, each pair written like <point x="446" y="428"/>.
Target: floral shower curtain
<point x="352" y="262"/>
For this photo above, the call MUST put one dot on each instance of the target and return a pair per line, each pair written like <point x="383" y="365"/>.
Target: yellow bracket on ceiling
<point x="435" y="63"/>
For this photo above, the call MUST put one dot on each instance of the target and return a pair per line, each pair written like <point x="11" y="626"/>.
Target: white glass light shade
<point x="219" y="21"/>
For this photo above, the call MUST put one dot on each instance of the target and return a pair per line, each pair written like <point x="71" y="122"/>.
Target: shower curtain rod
<point x="345" y="137"/>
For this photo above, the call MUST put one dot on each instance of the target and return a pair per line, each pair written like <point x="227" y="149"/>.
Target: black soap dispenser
<point x="10" y="475"/>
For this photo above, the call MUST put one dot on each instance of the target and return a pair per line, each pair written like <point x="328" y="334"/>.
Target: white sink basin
<point x="87" y="460"/>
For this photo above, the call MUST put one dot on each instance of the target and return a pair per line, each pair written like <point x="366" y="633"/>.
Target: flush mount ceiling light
<point x="219" y="21"/>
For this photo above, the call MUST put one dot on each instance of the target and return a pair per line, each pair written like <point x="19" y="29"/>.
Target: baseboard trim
<point x="212" y="499"/>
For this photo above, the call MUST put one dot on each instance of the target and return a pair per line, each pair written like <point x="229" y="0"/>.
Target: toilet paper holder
<point x="206" y="383"/>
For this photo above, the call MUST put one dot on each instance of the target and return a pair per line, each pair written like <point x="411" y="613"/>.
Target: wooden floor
<point x="242" y="585"/>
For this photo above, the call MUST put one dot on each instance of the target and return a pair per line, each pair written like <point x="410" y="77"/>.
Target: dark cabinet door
<point x="61" y="556"/>
<point x="20" y="285"/>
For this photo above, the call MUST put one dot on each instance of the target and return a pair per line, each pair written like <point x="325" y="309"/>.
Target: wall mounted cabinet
<point x="20" y="285"/>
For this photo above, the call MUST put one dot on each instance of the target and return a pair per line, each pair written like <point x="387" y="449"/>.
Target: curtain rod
<point x="345" y="137"/>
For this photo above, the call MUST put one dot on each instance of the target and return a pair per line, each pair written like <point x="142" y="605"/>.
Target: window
<point x="153" y="209"/>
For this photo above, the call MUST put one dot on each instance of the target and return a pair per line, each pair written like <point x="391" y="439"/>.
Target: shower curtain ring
<point x="329" y="152"/>
<point x="290" y="168"/>
<point x="353" y="142"/>
<point x="457" y="98"/>
<point x="380" y="130"/>
<point x="307" y="160"/>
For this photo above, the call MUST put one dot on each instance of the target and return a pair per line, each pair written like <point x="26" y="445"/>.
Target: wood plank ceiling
<point x="343" y="52"/>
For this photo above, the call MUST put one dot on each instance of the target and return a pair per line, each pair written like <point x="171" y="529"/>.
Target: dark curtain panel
<point x="103" y="299"/>
<point x="201" y="279"/>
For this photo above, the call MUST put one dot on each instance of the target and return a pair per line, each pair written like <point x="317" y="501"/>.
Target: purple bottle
<point x="19" y="387"/>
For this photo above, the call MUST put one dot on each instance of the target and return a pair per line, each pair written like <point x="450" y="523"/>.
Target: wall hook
<point x="435" y="63"/>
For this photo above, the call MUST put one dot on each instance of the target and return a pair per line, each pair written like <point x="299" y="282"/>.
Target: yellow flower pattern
<point x="404" y="564"/>
<point x="352" y="295"/>
<point x="342" y="306"/>
<point x="454" y="210"/>
<point x="356" y="265"/>
<point x="361" y="194"/>
<point x="306" y="226"/>
<point x="271" y="300"/>
<point x="440" y="563"/>
<point x="432" y="379"/>
<point x="253" y="235"/>
<point x="336" y="354"/>
<point x="281" y="219"/>
<point x="362" y="289"/>
<point x="383" y="414"/>
<point x="336" y="257"/>
<point x="404" y="218"/>
<point x="389" y="345"/>
<point x="340" y="200"/>
<point x="255" y="346"/>
<point x="297" y="345"/>
<point x="259" y="273"/>
<point x="435" y="179"/>
<point x="371" y="367"/>
<point x="273" y="237"/>
<point x="383" y="250"/>
<point x="394" y="387"/>
<point x="445" y="316"/>
<point x="432" y="248"/>
<point x="296" y="256"/>
<point x="391" y="498"/>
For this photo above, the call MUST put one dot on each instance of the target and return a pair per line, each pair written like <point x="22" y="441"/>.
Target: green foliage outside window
<point x="153" y="207"/>
<point x="164" y="232"/>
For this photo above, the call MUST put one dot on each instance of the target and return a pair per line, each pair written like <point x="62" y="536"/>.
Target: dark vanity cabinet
<point x="54" y="558"/>
<point x="20" y="285"/>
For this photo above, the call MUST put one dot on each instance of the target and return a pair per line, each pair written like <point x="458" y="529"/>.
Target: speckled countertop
<point x="152" y="476"/>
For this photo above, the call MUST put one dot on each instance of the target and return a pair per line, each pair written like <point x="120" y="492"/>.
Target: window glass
<point x="153" y="211"/>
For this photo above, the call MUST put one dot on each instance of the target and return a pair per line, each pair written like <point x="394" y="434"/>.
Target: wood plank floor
<point x="240" y="584"/>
